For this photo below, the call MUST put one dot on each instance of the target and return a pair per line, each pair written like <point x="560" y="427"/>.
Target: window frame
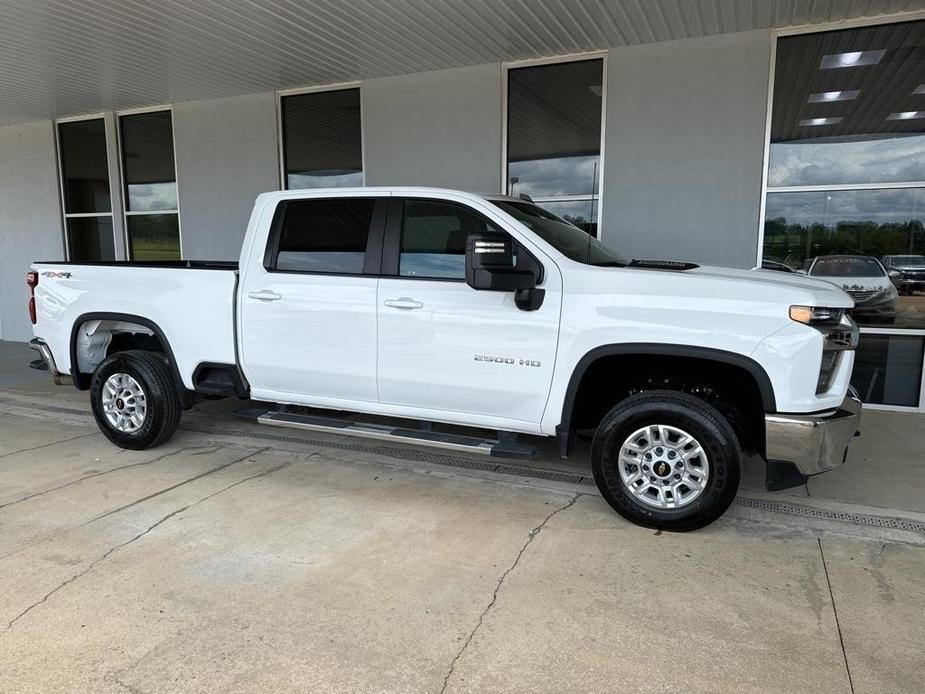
<point x="391" y="250"/>
<point x="65" y="215"/>
<point x="123" y="184"/>
<point x="776" y="35"/>
<point x="372" y="261"/>
<point x="281" y="132"/>
<point x="505" y="122"/>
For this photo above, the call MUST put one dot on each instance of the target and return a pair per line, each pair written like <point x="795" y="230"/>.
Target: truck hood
<point x="767" y="287"/>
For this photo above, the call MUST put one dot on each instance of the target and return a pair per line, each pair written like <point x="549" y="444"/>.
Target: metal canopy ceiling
<point x="66" y="57"/>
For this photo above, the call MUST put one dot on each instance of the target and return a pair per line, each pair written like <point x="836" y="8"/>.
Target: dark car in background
<point x="864" y="278"/>
<point x="907" y="272"/>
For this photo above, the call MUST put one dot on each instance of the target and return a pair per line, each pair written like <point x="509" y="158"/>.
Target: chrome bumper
<point x="813" y="443"/>
<point x="61" y="379"/>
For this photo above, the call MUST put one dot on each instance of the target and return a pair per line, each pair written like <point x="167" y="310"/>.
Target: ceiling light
<point x="820" y="121"/>
<point x="822" y="97"/>
<point x="919" y="90"/>
<point x="906" y="115"/>
<point x="852" y="59"/>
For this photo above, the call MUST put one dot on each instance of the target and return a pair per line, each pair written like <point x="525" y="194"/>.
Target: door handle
<point x="265" y="295"/>
<point x="404" y="303"/>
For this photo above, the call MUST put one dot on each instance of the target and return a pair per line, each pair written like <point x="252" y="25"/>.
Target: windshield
<point x="566" y="238"/>
<point x="847" y="266"/>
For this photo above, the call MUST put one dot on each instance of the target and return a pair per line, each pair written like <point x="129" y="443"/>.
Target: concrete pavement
<point x="224" y="561"/>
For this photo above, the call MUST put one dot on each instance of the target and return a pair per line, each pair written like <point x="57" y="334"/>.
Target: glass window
<point x="848" y="234"/>
<point x="90" y="239"/>
<point x="84" y="166"/>
<point x="433" y="238"/>
<point x="325" y="235"/>
<point x="322" y="146"/>
<point x="888" y="369"/>
<point x="848" y="107"/>
<point x="554" y="137"/>
<point x="150" y="186"/>
<point x="85" y="185"/>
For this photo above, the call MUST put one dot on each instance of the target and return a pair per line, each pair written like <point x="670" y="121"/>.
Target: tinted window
<point x="154" y="236"/>
<point x="84" y="166"/>
<point x="433" y="239"/>
<point x="147" y="161"/>
<point x="90" y="238"/>
<point x="325" y="235"/>
<point x="322" y="145"/>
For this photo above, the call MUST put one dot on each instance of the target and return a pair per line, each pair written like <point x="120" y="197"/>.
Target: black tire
<point x="692" y="415"/>
<point x="163" y="404"/>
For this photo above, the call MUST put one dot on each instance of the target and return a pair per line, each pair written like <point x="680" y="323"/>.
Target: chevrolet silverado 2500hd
<point x="482" y="311"/>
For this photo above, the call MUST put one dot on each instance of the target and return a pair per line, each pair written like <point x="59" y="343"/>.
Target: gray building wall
<point x="684" y="148"/>
<point x="440" y="128"/>
<point x="227" y="153"/>
<point x="30" y="217"/>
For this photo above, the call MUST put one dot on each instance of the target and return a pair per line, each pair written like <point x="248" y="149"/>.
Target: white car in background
<point x="864" y="278"/>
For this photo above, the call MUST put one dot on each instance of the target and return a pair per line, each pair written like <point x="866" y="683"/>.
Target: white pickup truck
<point x="481" y="311"/>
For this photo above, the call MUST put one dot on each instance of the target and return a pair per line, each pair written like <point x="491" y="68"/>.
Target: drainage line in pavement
<point x="46" y="445"/>
<point x="841" y="638"/>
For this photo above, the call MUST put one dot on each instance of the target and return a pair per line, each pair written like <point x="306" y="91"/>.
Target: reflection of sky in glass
<point x="572" y="210"/>
<point x="143" y="197"/>
<point x="864" y="161"/>
<point x="443" y="265"/>
<point x="830" y="208"/>
<point x="557" y="176"/>
<point x="334" y="179"/>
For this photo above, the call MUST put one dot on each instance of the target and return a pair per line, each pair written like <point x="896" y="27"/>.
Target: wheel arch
<point x="82" y="380"/>
<point x="640" y="350"/>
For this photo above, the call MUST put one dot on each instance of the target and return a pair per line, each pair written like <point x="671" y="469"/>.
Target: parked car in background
<point x="906" y="271"/>
<point x="864" y="278"/>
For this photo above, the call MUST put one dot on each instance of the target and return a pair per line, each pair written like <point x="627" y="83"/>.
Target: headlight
<point x="817" y="316"/>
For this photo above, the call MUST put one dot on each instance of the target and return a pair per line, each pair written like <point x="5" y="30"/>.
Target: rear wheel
<point x="134" y="400"/>
<point x="666" y="459"/>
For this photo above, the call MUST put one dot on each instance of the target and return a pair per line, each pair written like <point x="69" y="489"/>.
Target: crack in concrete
<point x="107" y="472"/>
<point x="841" y="638"/>
<point x="150" y="528"/>
<point x="46" y="445"/>
<point x="494" y="596"/>
<point x="170" y="488"/>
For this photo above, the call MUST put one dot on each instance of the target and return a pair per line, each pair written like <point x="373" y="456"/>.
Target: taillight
<point x="32" y="280"/>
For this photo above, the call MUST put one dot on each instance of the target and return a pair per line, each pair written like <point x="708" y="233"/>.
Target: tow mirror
<point x="490" y="264"/>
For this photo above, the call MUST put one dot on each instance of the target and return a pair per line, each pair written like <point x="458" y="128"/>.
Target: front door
<point x="309" y="314"/>
<point x="444" y="346"/>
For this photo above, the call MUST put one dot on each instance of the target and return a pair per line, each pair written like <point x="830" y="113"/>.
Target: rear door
<point x="444" y="346"/>
<point x="308" y="312"/>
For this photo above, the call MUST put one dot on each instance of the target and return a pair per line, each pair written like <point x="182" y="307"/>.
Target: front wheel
<point x="666" y="459"/>
<point x="135" y="400"/>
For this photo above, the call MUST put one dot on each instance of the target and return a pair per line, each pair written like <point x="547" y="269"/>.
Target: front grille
<point x="860" y="295"/>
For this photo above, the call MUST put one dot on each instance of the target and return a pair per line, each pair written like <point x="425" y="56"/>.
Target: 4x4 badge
<point x="56" y="275"/>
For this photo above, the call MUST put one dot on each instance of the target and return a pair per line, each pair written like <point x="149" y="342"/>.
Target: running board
<point x="329" y="425"/>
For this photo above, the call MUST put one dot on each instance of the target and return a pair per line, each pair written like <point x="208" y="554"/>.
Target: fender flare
<point x="765" y="388"/>
<point x="82" y="381"/>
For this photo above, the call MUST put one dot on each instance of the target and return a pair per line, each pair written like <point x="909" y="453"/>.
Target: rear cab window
<point x="326" y="235"/>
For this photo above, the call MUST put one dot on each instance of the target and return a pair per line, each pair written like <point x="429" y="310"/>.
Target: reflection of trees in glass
<point x="154" y="237"/>
<point x="792" y="243"/>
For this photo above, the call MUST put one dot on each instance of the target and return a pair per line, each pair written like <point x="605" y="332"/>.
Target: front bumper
<point x="813" y="443"/>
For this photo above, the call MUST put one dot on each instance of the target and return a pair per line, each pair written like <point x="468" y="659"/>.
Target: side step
<point x="502" y="448"/>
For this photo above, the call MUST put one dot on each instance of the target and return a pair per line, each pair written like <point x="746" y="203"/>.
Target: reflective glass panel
<point x="84" y="166"/>
<point x="154" y="236"/>
<point x="90" y="239"/>
<point x="554" y="129"/>
<point x="148" y="162"/>
<point x="888" y="369"/>
<point x="847" y="107"/>
<point x="869" y="242"/>
<point x="322" y="144"/>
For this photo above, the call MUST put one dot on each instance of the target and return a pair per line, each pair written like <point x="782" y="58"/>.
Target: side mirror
<point x="490" y="264"/>
<point x="895" y="274"/>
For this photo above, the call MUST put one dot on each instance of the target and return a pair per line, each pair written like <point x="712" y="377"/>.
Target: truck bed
<point x="191" y="303"/>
